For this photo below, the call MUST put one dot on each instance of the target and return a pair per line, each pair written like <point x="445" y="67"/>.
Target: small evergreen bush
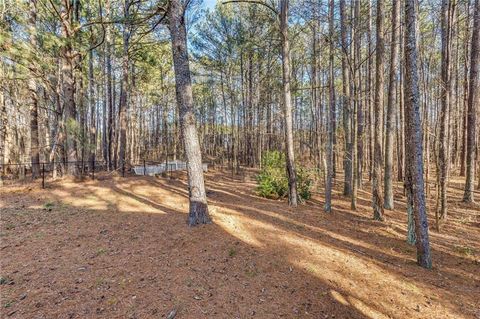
<point x="304" y="183"/>
<point x="273" y="181"/>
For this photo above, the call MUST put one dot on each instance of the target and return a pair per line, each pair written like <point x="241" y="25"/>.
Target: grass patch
<point x="99" y="282"/>
<point x="465" y="250"/>
<point x="4" y="280"/>
<point x="232" y="252"/>
<point x="101" y="251"/>
<point x="251" y="272"/>
<point x="48" y="206"/>
<point x="39" y="235"/>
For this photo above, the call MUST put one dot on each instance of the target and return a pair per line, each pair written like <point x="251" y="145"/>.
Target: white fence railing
<point x="164" y="167"/>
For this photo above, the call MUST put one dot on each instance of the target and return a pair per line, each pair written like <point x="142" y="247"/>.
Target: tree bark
<point x="32" y="87"/>
<point x="356" y="79"/>
<point x="388" y="177"/>
<point x="347" y="162"/>
<point x="473" y="98"/>
<point x="287" y="101"/>
<point x="124" y="90"/>
<point x="91" y="102"/>
<point x="377" y="151"/>
<point x="69" y="105"/>
<point x="3" y="132"/>
<point x="443" y="155"/>
<point x="109" y="90"/>
<point x="331" y="117"/>
<point x="413" y="137"/>
<point x="198" y="210"/>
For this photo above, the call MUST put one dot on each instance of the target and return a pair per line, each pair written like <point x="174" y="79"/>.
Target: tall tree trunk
<point x="370" y="94"/>
<point x="109" y="94"/>
<point x="68" y="77"/>
<point x="377" y="151"/>
<point x="124" y="90"/>
<point x="463" y="154"/>
<point x="32" y="87"/>
<point x="198" y="211"/>
<point x="388" y="189"/>
<point x="346" y="105"/>
<point x="331" y="117"/>
<point x="3" y="132"/>
<point x="287" y="101"/>
<point x="91" y="101"/>
<point x="413" y="137"/>
<point x="443" y="156"/>
<point x="473" y="98"/>
<point x="356" y="94"/>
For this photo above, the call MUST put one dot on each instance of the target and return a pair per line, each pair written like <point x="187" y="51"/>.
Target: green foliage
<point x="101" y="251"/>
<point x="273" y="180"/>
<point x="4" y="280"/>
<point x="48" y="206"/>
<point x="465" y="250"/>
<point x="304" y="183"/>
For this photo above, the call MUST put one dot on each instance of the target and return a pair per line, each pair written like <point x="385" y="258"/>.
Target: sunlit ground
<point x="260" y="258"/>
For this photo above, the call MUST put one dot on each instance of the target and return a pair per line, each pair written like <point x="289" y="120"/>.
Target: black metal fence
<point x="44" y="170"/>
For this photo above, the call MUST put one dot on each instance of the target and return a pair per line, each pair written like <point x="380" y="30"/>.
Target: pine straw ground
<point x="120" y="248"/>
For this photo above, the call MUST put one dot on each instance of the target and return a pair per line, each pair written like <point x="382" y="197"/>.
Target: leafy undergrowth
<point x="120" y="248"/>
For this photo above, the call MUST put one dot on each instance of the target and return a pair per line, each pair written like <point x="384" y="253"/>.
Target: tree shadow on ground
<point x="261" y="258"/>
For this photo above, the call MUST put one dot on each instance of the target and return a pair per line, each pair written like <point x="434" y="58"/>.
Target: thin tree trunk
<point x="413" y="137"/>
<point x="287" y="101"/>
<point x="463" y="154"/>
<point x="124" y="90"/>
<point x="3" y="132"/>
<point x="377" y="151"/>
<point x="369" y="90"/>
<point x="91" y="101"/>
<point x="331" y="118"/>
<point x="356" y="78"/>
<point x="32" y="87"/>
<point x="473" y="98"/>
<point x="109" y="88"/>
<point x="388" y="177"/>
<point x="443" y="156"/>
<point x="69" y="106"/>
<point x="347" y="163"/>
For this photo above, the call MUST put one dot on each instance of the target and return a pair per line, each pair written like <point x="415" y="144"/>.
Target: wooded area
<point x="366" y="94"/>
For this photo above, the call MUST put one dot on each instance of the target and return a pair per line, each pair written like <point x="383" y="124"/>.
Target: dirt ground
<point x="120" y="248"/>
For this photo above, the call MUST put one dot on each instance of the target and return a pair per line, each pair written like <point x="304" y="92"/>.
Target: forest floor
<point x="120" y="248"/>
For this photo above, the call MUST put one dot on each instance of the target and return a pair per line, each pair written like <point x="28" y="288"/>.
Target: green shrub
<point x="273" y="182"/>
<point x="304" y="183"/>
